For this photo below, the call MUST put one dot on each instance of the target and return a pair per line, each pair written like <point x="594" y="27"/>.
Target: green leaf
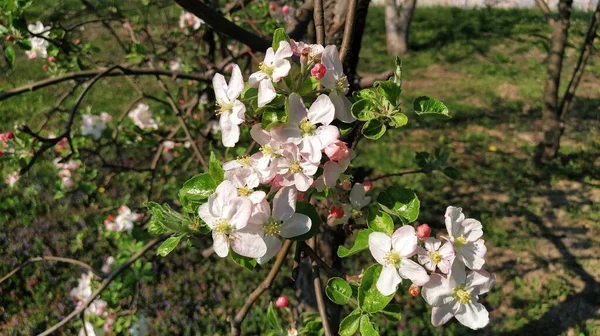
<point x="398" y="120"/>
<point x="278" y="36"/>
<point x="350" y="323"/>
<point x="366" y="327"/>
<point x="427" y="105"/>
<point x="139" y="48"/>
<point x="3" y="30"/>
<point x="245" y="262"/>
<point x="24" y="44"/>
<point x="400" y="202"/>
<point x="398" y="72"/>
<point x="168" y="245"/>
<point x="9" y="52"/>
<point x="360" y="243"/>
<point x="380" y="222"/>
<point x="390" y="91"/>
<point x="393" y="311"/>
<point x="373" y="129"/>
<point x="338" y="291"/>
<point x="215" y="170"/>
<point x="164" y="219"/>
<point x="370" y="300"/>
<point x="309" y="210"/>
<point x="273" y="318"/>
<point x="363" y="110"/>
<point x="312" y="328"/>
<point x="196" y="190"/>
<point x="273" y="117"/>
<point x="451" y="172"/>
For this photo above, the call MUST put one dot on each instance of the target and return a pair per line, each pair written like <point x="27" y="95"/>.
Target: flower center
<point x="245" y="161"/>
<point x="436" y="257"/>
<point x="267" y="150"/>
<point x="272" y="227"/>
<point x="356" y="213"/>
<point x="268" y="70"/>
<point x="244" y="191"/>
<point x="306" y="127"/>
<point x="342" y="83"/>
<point x="295" y="167"/>
<point x="462" y="295"/>
<point x="224" y="107"/>
<point x="460" y="241"/>
<point x="223" y="226"/>
<point x="393" y="258"/>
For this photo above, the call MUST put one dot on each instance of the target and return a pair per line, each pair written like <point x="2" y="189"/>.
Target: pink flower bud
<point x="423" y="231"/>
<point x="337" y="212"/>
<point x="7" y="136"/>
<point x="318" y="71"/>
<point x="51" y="59"/>
<point x="77" y="41"/>
<point x="67" y="183"/>
<point x="272" y="6"/>
<point x="368" y="185"/>
<point x="413" y="290"/>
<point x="45" y="67"/>
<point x="337" y="151"/>
<point x="282" y="302"/>
<point x="10" y="38"/>
<point x="285" y="10"/>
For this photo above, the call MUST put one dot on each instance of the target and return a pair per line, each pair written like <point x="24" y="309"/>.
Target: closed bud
<point x="337" y="211"/>
<point x="7" y="136"/>
<point x="413" y="290"/>
<point x="272" y="6"/>
<point x="368" y="185"/>
<point x="45" y="67"/>
<point x="282" y="302"/>
<point x="51" y="59"/>
<point x="318" y="71"/>
<point x="423" y="231"/>
<point x="285" y="10"/>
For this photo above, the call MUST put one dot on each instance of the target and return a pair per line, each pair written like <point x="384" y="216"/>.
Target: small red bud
<point x="337" y="211"/>
<point x="7" y="136"/>
<point x="51" y="59"/>
<point x="413" y="290"/>
<point x="282" y="302"/>
<point x="272" y="6"/>
<point x="368" y="185"/>
<point x="423" y="231"/>
<point x="285" y="10"/>
<point x="77" y="41"/>
<point x="318" y="71"/>
<point x="45" y="67"/>
<point x="10" y="38"/>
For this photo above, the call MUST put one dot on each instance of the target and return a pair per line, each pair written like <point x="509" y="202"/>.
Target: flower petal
<point x="404" y="240"/>
<point x="297" y="109"/>
<point x="297" y="225"/>
<point x="273" y="244"/>
<point x="220" y="244"/>
<point x="437" y="290"/>
<point x="480" y="282"/>
<point x="473" y="315"/>
<point x="442" y="314"/>
<point x="220" y="87"/>
<point x="248" y="244"/>
<point x="236" y="83"/>
<point x="238" y="211"/>
<point x="388" y="280"/>
<point x="322" y="111"/>
<point x="472" y="254"/>
<point x="266" y="92"/>
<point x="380" y="245"/>
<point x="411" y="270"/>
<point x="284" y="203"/>
<point x="454" y="217"/>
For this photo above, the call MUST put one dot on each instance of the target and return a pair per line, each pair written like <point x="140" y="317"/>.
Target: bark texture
<point x="397" y="25"/>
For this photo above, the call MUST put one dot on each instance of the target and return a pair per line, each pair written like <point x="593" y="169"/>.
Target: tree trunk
<point x="551" y="123"/>
<point x="397" y="25"/>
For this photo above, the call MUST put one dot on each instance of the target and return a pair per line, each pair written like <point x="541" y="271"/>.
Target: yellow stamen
<point x="393" y="258"/>
<point x="223" y="227"/>
<point x="295" y="167"/>
<point x="245" y="161"/>
<point x="272" y="227"/>
<point x="268" y="70"/>
<point x="244" y="191"/>
<point x="306" y="127"/>
<point x="460" y="241"/>
<point x="462" y="295"/>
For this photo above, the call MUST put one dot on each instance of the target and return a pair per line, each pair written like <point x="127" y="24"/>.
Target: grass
<point x="488" y="66"/>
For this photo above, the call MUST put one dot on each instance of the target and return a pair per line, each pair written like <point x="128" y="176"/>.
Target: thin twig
<point x="348" y="30"/>
<point x="57" y="259"/>
<point x="543" y="6"/>
<point x="318" y="286"/>
<point x="104" y="285"/>
<point x="331" y="272"/>
<point x="408" y="172"/>
<point x="236" y="322"/>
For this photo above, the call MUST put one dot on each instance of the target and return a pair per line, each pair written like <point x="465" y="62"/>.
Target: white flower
<point x="124" y="220"/>
<point x="250" y="170"/>
<point x="302" y="128"/>
<point x="175" y="64"/>
<point x="457" y="295"/>
<point x="336" y="81"/>
<point x="393" y="254"/>
<point x="274" y="67"/>
<point x="94" y="125"/>
<point x="435" y="255"/>
<point x="12" y="178"/>
<point x="97" y="308"/>
<point x="465" y="235"/>
<point x="84" y="288"/>
<point x="188" y="20"/>
<point x="232" y="110"/>
<point x="141" y="327"/>
<point x="294" y="168"/>
<point x="358" y="200"/>
<point x="38" y="44"/>
<point x="282" y="223"/>
<point x="227" y="215"/>
<point x="107" y="264"/>
<point x="142" y="117"/>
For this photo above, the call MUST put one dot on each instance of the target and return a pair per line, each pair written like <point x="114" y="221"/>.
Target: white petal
<point x="472" y="228"/>
<point x="437" y="290"/>
<point x="266" y="92"/>
<point x="342" y="107"/>
<point x="380" y="245"/>
<point x="288" y="133"/>
<point x="404" y="240"/>
<point x="238" y="211"/>
<point x="284" y="203"/>
<point x="432" y="244"/>
<point x="206" y="216"/>
<point x="442" y="314"/>
<point x="472" y="254"/>
<point x="388" y="280"/>
<point x="256" y="78"/>
<point x="248" y="244"/>
<point x="302" y="181"/>
<point x="454" y="217"/>
<point x="331" y="173"/>
<point x="273" y="244"/>
<point x="327" y="135"/>
<point x="297" y="109"/>
<point x="260" y="213"/>
<point x="220" y="87"/>
<point x="284" y="50"/>
<point x="259" y="135"/>
<point x="480" y="282"/>
<point x="297" y="225"/>
<point x="322" y="111"/>
<point x="310" y="148"/>
<point x="220" y="244"/>
<point x="269" y="56"/>
<point x="231" y="135"/>
<point x="411" y="270"/>
<point x="457" y="274"/>
<point x="282" y="68"/>
<point x="236" y="83"/>
<point x="238" y="113"/>
<point x="473" y="315"/>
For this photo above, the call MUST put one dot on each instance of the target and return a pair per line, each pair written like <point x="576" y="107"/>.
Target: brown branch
<point x="319" y="22"/>
<point x="297" y="28"/>
<point x="543" y="6"/>
<point x="56" y="259"/>
<point x="408" y="172"/>
<point x="104" y="285"/>
<point x="218" y="22"/>
<point x="368" y="80"/>
<point x="331" y="272"/>
<point x="318" y="286"/>
<point x="236" y="322"/>
<point x="348" y="30"/>
<point x="91" y="73"/>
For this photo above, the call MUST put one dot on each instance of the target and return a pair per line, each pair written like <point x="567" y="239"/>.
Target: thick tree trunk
<point x="397" y="25"/>
<point x="551" y="123"/>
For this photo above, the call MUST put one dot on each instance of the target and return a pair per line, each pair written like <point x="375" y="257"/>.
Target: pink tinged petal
<point x="248" y="244"/>
<point x="322" y="111"/>
<point x="231" y="135"/>
<point x="259" y="135"/>
<point x="473" y="315"/>
<point x="260" y="213"/>
<point x="472" y="229"/>
<point x="358" y="198"/>
<point x="310" y="148"/>
<point x="327" y="135"/>
<point x="282" y="68"/>
<point x="220" y="244"/>
<point x="480" y="282"/>
<point x="442" y="314"/>
<point x="411" y="270"/>
<point x="388" y="280"/>
<point x="302" y="181"/>
<point x="257" y="196"/>
<point x="297" y="109"/>
<point x="266" y="92"/>
<point x="236" y="83"/>
<point x="437" y="290"/>
<point x="238" y="211"/>
<point x="472" y="253"/>
<point x="284" y="204"/>
<point x="432" y="244"/>
<point x="331" y="173"/>
<point x="220" y="87"/>
<point x="457" y="275"/>
<point x="238" y="114"/>
<point x="284" y="50"/>
<point x="405" y="241"/>
<point x="225" y="191"/>
<point x="256" y="78"/>
<point x="297" y="225"/>
<point x="380" y="245"/>
<point x="273" y="244"/>
<point x="309" y="168"/>
<point x="289" y="133"/>
<point x="206" y="216"/>
<point x="454" y="217"/>
<point x="342" y="107"/>
<point x="424" y="259"/>
<point x="233" y="164"/>
<point x="269" y="56"/>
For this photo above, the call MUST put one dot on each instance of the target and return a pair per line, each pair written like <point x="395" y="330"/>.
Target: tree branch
<point x="53" y="258"/>
<point x="319" y="22"/>
<point x="348" y="30"/>
<point x="543" y="6"/>
<point x="319" y="293"/>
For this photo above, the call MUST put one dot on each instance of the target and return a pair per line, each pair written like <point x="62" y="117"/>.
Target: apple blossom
<point x="188" y="20"/>
<point x="394" y="253"/>
<point x="465" y="235"/>
<point x="273" y="68"/>
<point x="94" y="125"/>
<point x="7" y="136"/>
<point x="435" y="255"/>
<point x="142" y="117"/>
<point x="295" y="169"/>
<point x="38" y="44"/>
<point x="337" y="151"/>
<point x="307" y="52"/>
<point x="231" y="110"/>
<point x="423" y="231"/>
<point x="457" y="295"/>
<point x="251" y="170"/>
<point x="175" y="64"/>
<point x="335" y="80"/>
<point x="318" y="71"/>
<point x="281" y="302"/>
<point x="108" y="264"/>
<point x="12" y="178"/>
<point x="227" y="215"/>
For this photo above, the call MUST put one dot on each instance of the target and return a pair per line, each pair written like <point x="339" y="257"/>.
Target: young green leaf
<point x="245" y="262"/>
<point x="366" y="326"/>
<point x="360" y="243"/>
<point x="380" y="222"/>
<point x="9" y="52"/>
<point x="373" y="129"/>
<point x="273" y="318"/>
<point x="393" y="311"/>
<point x="215" y="170"/>
<point x="363" y="110"/>
<point x="427" y="105"/>
<point x="398" y="120"/>
<point x="451" y="172"/>
<point x="278" y="36"/>
<point x="168" y="245"/>
<point x="338" y="291"/>
<point x="272" y="117"/>
<point x="400" y="202"/>
<point x="196" y="190"/>
<point x="390" y="91"/>
<point x="350" y="323"/>
<point x="370" y="299"/>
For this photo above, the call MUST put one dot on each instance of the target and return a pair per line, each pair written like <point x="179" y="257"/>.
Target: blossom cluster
<point x="188" y="22"/>
<point x="83" y="292"/>
<point x="66" y="171"/>
<point x="94" y="125"/>
<point x="123" y="221"/>
<point x="39" y="42"/>
<point x="440" y="269"/>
